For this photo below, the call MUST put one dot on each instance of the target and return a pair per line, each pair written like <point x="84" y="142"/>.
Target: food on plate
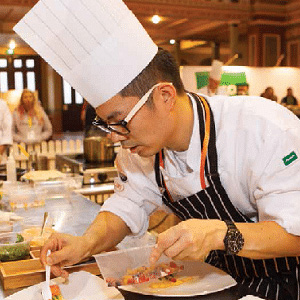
<point x="13" y="247"/>
<point x="170" y="281"/>
<point x="145" y="274"/>
<point x="56" y="293"/>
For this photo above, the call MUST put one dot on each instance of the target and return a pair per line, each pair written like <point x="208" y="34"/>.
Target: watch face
<point x="234" y="241"/>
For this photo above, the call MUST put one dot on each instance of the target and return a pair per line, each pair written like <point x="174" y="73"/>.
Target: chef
<point x="227" y="167"/>
<point x="214" y="79"/>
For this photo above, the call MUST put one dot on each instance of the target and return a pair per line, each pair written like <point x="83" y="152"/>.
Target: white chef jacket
<point x="258" y="147"/>
<point x="5" y="127"/>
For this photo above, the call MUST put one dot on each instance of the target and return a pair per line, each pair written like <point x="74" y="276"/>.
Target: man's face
<point x="150" y="128"/>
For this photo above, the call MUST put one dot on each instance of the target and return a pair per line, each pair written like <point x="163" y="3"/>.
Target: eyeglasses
<point x="120" y="127"/>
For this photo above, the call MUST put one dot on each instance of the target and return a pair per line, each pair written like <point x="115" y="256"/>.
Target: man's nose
<point x="115" y="137"/>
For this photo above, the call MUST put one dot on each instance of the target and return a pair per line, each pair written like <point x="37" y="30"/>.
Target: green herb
<point x="20" y="238"/>
<point x="14" y="252"/>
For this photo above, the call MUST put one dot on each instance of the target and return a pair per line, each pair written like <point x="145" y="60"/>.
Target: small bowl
<point x="11" y="249"/>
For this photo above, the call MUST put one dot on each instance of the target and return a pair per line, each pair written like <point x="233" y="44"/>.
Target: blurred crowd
<point x="289" y="99"/>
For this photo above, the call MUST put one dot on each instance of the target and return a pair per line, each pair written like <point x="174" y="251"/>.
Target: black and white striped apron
<point x="270" y="278"/>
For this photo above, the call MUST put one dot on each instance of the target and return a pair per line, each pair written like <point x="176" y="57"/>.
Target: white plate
<point x="209" y="280"/>
<point x="81" y="286"/>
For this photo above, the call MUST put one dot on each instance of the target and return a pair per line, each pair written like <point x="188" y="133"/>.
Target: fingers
<point x="58" y="257"/>
<point x="59" y="272"/>
<point x="185" y="241"/>
<point x="62" y="257"/>
<point x="165" y="241"/>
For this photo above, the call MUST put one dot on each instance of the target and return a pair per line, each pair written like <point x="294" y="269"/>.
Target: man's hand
<point x="66" y="250"/>
<point x="190" y="240"/>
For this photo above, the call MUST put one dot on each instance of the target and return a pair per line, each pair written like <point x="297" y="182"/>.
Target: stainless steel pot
<point x="98" y="149"/>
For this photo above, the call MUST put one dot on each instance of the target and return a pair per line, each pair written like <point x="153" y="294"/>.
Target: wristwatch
<point x="233" y="240"/>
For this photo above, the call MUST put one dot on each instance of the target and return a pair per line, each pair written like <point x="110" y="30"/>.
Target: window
<point x="3" y="82"/>
<point x="17" y="63"/>
<point x="70" y="95"/>
<point x="3" y="62"/>
<point x="18" y="72"/>
<point x="19" y="81"/>
<point x="67" y="93"/>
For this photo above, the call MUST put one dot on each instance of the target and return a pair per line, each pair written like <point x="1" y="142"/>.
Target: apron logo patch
<point x="289" y="158"/>
<point x="118" y="186"/>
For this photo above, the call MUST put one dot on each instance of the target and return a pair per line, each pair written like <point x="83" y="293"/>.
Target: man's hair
<point x="162" y="68"/>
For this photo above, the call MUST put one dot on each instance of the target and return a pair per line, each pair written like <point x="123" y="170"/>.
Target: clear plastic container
<point x="54" y="189"/>
<point x="131" y="266"/>
<point x="12" y="247"/>
<point x="26" y="197"/>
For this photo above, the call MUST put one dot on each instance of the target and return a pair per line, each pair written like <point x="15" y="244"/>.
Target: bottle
<point x="11" y="173"/>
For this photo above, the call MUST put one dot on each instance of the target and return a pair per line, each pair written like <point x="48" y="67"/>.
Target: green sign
<point x="226" y="79"/>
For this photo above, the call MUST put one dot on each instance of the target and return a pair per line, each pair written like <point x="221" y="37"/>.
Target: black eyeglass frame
<point x="98" y="122"/>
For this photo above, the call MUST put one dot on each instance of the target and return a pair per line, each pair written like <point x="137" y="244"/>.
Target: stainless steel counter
<point x="97" y="192"/>
<point x="72" y="214"/>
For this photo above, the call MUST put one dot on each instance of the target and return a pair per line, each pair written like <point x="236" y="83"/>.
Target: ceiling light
<point x="172" y="41"/>
<point x="12" y="44"/>
<point x="156" y="19"/>
<point x="11" y="48"/>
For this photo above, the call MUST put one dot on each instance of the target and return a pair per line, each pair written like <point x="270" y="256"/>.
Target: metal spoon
<point x="44" y="222"/>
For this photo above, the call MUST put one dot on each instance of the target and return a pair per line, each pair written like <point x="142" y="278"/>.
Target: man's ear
<point x="169" y="94"/>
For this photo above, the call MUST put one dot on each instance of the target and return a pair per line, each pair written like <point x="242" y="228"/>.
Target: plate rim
<point x="218" y="272"/>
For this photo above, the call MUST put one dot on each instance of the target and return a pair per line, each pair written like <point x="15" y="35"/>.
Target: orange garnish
<point x="56" y="293"/>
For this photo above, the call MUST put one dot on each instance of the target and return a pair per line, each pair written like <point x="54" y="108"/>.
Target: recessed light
<point x="156" y="19"/>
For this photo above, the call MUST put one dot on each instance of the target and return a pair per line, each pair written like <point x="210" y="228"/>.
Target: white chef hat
<point x="216" y="70"/>
<point x="97" y="46"/>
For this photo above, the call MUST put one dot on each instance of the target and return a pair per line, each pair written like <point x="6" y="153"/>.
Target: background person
<point x="30" y="122"/>
<point x="269" y="94"/>
<point x="289" y="99"/>
<point x="214" y="79"/>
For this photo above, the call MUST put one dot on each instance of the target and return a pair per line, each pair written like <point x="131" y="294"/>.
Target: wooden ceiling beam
<point x="22" y="3"/>
<point x="8" y="14"/>
<point x="212" y="13"/>
<point x="201" y="28"/>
